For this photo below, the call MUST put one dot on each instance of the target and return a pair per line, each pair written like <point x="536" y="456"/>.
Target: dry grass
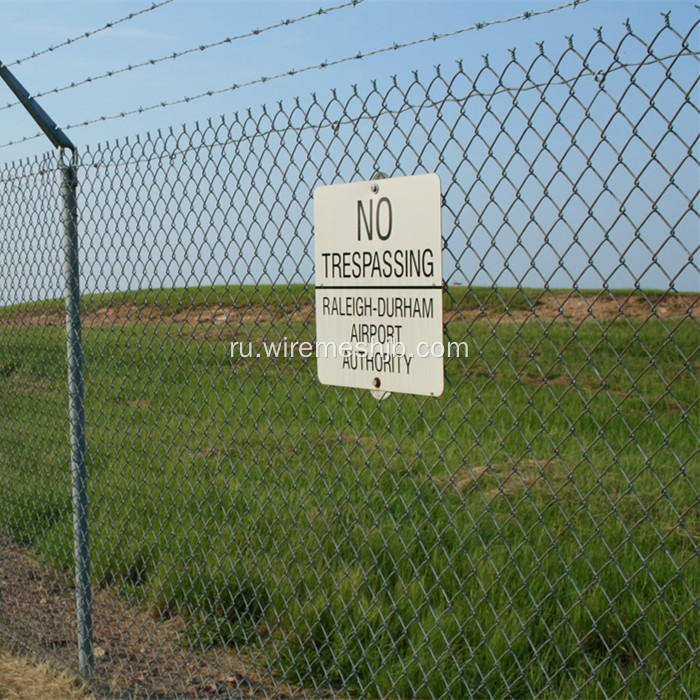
<point x="22" y="677"/>
<point x="503" y="478"/>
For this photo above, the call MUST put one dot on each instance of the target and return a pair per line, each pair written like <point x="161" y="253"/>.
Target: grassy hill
<point x="535" y="526"/>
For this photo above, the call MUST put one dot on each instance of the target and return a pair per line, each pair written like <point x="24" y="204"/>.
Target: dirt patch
<point x="543" y="380"/>
<point x="131" y="314"/>
<point x="26" y="384"/>
<point x="576" y="307"/>
<point x="135" y="654"/>
<point x="573" y="307"/>
<point x="504" y="479"/>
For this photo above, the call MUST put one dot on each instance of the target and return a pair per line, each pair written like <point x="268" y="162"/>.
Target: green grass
<point x="534" y="528"/>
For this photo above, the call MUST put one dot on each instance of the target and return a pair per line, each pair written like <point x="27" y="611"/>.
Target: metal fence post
<point x="76" y="409"/>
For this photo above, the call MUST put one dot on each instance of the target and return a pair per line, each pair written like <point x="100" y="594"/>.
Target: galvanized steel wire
<point x="293" y="71"/>
<point x="532" y="533"/>
<point x="195" y="49"/>
<point x="88" y="34"/>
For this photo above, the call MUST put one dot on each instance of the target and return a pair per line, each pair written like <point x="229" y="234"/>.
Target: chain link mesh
<point x="532" y="532"/>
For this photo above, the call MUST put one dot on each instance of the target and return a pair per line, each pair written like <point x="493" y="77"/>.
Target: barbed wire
<point x="92" y="32"/>
<point x="194" y="49"/>
<point x="437" y="104"/>
<point x="325" y="64"/>
<point x="503" y="89"/>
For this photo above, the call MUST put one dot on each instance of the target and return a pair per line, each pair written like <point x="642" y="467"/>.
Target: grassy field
<point x="535" y="527"/>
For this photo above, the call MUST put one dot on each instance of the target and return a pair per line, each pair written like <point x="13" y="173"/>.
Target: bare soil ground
<point x="572" y="307"/>
<point x="135" y="654"/>
<point x="575" y="308"/>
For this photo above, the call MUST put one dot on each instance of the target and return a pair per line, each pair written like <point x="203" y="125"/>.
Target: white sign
<point x="379" y="284"/>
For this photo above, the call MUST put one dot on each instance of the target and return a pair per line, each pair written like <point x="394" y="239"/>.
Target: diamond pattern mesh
<point x="532" y="532"/>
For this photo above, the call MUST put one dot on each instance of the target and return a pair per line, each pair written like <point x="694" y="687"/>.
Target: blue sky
<point x="603" y="198"/>
<point x="29" y="26"/>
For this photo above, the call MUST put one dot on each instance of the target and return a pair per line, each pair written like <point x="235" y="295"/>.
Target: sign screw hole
<point x="377" y="383"/>
<point x="374" y="188"/>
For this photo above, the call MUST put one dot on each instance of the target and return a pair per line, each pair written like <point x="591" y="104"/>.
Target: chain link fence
<point x="533" y="532"/>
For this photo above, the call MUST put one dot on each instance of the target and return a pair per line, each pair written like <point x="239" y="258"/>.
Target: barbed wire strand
<point x="92" y="32"/>
<point x="437" y="104"/>
<point x="595" y="74"/>
<point x="324" y="64"/>
<point x="194" y="49"/>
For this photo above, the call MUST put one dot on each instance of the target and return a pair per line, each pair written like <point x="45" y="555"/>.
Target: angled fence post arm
<point x="46" y="124"/>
